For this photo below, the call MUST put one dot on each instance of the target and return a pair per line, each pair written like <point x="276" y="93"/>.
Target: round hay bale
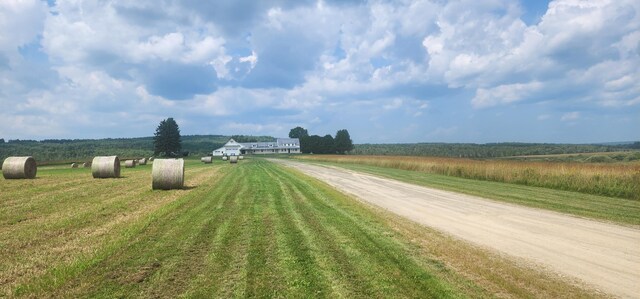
<point x="86" y="164"/>
<point x="224" y="158"/>
<point x="105" y="167"/>
<point x="206" y="160"/>
<point x="240" y="157"/>
<point x="74" y="165"/>
<point x="19" y="168"/>
<point x="233" y="159"/>
<point x="167" y="174"/>
<point x="142" y="161"/>
<point x="130" y="163"/>
<point x="150" y="159"/>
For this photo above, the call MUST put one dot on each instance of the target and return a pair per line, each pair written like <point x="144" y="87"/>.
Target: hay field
<point x="615" y="179"/>
<point x="254" y="229"/>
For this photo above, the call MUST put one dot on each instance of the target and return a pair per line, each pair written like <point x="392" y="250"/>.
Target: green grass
<point x="617" y="210"/>
<point x="255" y="229"/>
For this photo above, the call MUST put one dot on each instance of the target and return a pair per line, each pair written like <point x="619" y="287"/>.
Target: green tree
<point x="298" y="132"/>
<point x="302" y="134"/>
<point x="343" y="142"/>
<point x="167" y="138"/>
<point x="311" y="144"/>
<point x="327" y="145"/>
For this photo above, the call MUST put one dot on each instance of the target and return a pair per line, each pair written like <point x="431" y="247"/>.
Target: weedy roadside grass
<point x="613" y="209"/>
<point x="255" y="229"/>
<point x="615" y="179"/>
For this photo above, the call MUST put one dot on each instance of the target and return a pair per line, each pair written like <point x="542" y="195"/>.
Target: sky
<point x="404" y="71"/>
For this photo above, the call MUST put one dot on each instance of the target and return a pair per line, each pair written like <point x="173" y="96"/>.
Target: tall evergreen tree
<point x="167" y="140"/>
<point x="343" y="142"/>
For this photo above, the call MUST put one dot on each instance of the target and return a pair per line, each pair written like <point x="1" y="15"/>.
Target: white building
<point x="231" y="148"/>
<point x="281" y="146"/>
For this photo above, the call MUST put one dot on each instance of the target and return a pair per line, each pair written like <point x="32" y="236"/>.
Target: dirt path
<point x="604" y="255"/>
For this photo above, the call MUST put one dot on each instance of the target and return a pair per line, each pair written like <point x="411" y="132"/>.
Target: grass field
<point x="616" y="179"/>
<point x="255" y="229"/>
<point x="598" y="157"/>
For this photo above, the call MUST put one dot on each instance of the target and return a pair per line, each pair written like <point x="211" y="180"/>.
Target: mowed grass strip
<point x="257" y="229"/>
<point x="613" y="209"/>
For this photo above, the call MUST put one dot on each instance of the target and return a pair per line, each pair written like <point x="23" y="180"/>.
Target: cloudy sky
<point x="388" y="71"/>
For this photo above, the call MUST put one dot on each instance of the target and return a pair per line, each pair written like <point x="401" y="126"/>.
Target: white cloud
<point x="311" y="61"/>
<point x="393" y="104"/>
<point x="253" y="59"/>
<point x="570" y="116"/>
<point x="20" y="22"/>
<point x="504" y="94"/>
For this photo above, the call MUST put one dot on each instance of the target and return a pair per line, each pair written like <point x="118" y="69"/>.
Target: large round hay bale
<point x="240" y="157"/>
<point x="105" y="167"/>
<point x="130" y="163"/>
<point x="142" y="161"/>
<point x="233" y="159"/>
<point x="167" y="174"/>
<point x="19" y="168"/>
<point x="206" y="160"/>
<point x="74" y="165"/>
<point x="224" y="158"/>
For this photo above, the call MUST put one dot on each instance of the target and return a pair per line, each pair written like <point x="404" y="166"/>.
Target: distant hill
<point x="617" y="143"/>
<point x="200" y="145"/>
<point x="86" y="149"/>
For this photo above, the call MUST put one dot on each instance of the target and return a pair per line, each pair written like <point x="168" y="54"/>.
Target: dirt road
<point x="604" y="255"/>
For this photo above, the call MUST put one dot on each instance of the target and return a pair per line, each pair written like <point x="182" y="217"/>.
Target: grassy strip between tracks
<point x="613" y="209"/>
<point x="254" y="229"/>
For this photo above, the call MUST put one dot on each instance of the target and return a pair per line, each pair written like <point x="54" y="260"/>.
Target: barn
<point x="280" y="146"/>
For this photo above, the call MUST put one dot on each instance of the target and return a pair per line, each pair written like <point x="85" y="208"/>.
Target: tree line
<point x="327" y="144"/>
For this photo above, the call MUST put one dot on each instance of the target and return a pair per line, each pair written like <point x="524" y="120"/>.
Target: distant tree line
<point x="200" y="145"/>
<point x="326" y="144"/>
<point x="488" y="150"/>
<point x="248" y="138"/>
<point x="86" y="149"/>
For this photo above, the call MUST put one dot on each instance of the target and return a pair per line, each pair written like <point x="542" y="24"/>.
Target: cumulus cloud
<point x="20" y="22"/>
<point x="420" y="64"/>
<point x="504" y="94"/>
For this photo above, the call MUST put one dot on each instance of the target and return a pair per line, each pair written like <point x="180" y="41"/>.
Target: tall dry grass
<point x="618" y="180"/>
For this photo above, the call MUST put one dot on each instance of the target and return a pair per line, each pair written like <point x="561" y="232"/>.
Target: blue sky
<point x="388" y="71"/>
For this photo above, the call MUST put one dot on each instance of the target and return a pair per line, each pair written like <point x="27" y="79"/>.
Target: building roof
<point x="280" y="143"/>
<point x="232" y="144"/>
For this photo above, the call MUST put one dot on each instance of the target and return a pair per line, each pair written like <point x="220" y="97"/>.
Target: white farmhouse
<point x="281" y="146"/>
<point x="231" y="148"/>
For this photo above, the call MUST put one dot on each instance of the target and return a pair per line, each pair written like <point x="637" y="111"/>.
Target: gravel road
<point x="603" y="255"/>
